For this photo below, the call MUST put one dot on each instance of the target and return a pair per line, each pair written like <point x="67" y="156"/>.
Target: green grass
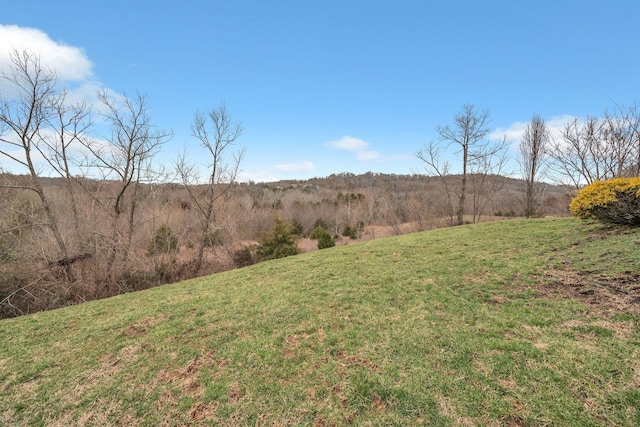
<point x="469" y="325"/>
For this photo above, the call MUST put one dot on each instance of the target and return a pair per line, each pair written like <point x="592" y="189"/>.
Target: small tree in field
<point x="280" y="242"/>
<point x="323" y="237"/>
<point x="132" y="142"/>
<point x="467" y="136"/>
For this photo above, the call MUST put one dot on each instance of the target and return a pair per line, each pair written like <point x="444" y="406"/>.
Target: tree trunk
<point x="463" y="190"/>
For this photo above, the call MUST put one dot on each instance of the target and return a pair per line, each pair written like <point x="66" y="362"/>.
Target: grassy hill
<point x="506" y="323"/>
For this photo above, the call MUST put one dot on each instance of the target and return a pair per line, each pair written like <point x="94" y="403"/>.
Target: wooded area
<point x="160" y="237"/>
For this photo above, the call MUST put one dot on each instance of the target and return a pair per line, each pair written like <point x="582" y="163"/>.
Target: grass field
<point x="515" y="323"/>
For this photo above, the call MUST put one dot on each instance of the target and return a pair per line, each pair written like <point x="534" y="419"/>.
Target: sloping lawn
<point x="519" y="323"/>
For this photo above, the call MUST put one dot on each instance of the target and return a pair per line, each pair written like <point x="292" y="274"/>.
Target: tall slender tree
<point x="533" y="150"/>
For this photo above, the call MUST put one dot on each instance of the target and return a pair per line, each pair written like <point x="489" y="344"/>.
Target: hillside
<point x="504" y="323"/>
<point x="98" y="239"/>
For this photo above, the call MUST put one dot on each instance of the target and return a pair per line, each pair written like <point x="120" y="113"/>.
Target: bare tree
<point x="217" y="132"/>
<point x="621" y="132"/>
<point x="467" y="137"/>
<point x="487" y="176"/>
<point x="533" y="150"/>
<point x="577" y="157"/>
<point x="67" y="125"/>
<point x="24" y="116"/>
<point x="432" y="155"/>
<point x="595" y="148"/>
<point x="125" y="158"/>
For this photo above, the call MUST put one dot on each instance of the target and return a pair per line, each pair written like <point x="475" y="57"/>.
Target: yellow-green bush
<point x="616" y="201"/>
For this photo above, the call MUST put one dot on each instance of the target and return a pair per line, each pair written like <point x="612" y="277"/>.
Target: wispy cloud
<point x="356" y="145"/>
<point x="514" y="133"/>
<point x="295" y="167"/>
<point x="275" y="173"/>
<point x="348" y="143"/>
<point x="361" y="149"/>
<point x="367" y="156"/>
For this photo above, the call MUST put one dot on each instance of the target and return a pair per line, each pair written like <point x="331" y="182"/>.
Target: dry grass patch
<point x="604" y="294"/>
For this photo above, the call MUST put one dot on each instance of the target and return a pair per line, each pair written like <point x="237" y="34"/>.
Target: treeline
<point x="588" y="150"/>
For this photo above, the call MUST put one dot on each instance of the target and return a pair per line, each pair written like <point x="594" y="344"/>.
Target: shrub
<point x="320" y="223"/>
<point x="323" y="237"/>
<point x="139" y="280"/>
<point x="353" y="232"/>
<point x="298" y="228"/>
<point x="280" y="242"/>
<point x="616" y="201"/>
<point x="213" y="238"/>
<point x="244" y="257"/>
<point x="317" y="232"/>
<point x="163" y="242"/>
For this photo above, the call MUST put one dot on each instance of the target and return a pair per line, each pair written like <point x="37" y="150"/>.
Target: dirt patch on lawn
<point x="606" y="294"/>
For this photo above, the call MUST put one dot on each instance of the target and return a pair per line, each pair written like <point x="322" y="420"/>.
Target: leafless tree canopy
<point x="533" y="151"/>
<point x="24" y="118"/>
<point x="598" y="148"/>
<point x="479" y="158"/>
<point x="216" y="132"/>
<point x="126" y="157"/>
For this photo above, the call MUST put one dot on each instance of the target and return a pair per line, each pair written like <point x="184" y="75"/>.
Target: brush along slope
<point x="495" y="323"/>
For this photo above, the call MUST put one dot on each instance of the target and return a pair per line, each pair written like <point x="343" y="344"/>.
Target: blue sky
<point x="339" y="86"/>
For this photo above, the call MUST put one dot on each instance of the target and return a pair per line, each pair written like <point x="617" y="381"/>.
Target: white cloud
<point x="348" y="143"/>
<point x="514" y="133"/>
<point x="556" y="124"/>
<point x="367" y="156"/>
<point x="73" y="68"/>
<point x="295" y="167"/>
<point x="357" y="145"/>
<point x="361" y="149"/>
<point x="70" y="62"/>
